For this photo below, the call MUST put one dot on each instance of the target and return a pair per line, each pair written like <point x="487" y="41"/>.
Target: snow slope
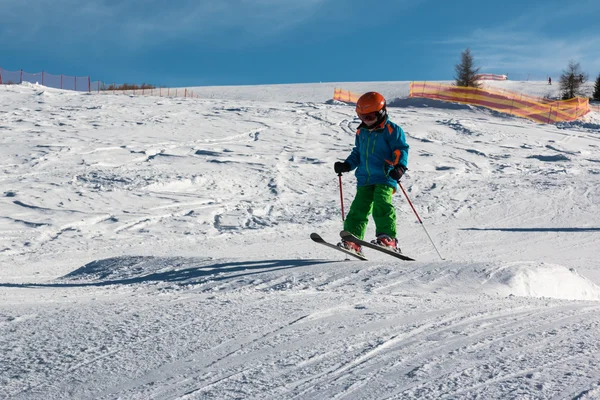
<point x="157" y="248"/>
<point x="321" y="92"/>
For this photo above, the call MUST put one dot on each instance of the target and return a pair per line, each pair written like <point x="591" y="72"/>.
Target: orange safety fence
<point x="491" y="77"/>
<point x="540" y="110"/>
<point x="345" y="96"/>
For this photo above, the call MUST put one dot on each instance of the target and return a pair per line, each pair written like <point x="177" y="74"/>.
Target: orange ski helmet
<point x="371" y="108"/>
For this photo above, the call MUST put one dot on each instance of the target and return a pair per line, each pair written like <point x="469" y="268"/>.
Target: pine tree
<point x="466" y="73"/>
<point x="596" y="95"/>
<point x="571" y="81"/>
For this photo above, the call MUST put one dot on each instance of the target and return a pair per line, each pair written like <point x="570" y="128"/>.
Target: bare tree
<point x="466" y="73"/>
<point x="572" y="81"/>
<point x="596" y="95"/>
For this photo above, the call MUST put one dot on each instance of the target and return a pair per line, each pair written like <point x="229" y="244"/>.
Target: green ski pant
<point x="376" y="199"/>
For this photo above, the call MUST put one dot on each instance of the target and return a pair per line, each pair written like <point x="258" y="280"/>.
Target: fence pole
<point x="89" y="85"/>
<point x="185" y="93"/>
<point x="42" y="77"/>
<point x="98" y="86"/>
<point x="512" y="105"/>
<point x="75" y="80"/>
<point x="21" y="78"/>
<point x="549" y="113"/>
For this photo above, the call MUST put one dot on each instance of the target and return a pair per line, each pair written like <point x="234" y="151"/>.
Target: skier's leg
<point x="358" y="216"/>
<point x="384" y="213"/>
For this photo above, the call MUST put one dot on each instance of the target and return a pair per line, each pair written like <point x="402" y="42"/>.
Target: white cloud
<point x="540" y="41"/>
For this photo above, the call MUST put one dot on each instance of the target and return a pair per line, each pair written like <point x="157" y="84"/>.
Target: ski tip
<point x="316" y="237"/>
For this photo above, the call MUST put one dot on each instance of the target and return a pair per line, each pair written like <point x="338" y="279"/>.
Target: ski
<point x="318" y="239"/>
<point x="345" y="235"/>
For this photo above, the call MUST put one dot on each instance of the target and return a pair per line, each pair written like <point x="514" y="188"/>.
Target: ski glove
<point x="340" y="167"/>
<point x="397" y="172"/>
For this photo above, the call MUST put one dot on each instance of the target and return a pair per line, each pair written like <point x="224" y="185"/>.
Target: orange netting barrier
<point x="345" y="96"/>
<point x="491" y="77"/>
<point x="540" y="110"/>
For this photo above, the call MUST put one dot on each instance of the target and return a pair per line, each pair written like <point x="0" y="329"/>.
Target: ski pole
<point x="341" y="195"/>
<point x="419" y="219"/>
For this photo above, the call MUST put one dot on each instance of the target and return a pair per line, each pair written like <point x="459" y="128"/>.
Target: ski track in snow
<point x="156" y="248"/>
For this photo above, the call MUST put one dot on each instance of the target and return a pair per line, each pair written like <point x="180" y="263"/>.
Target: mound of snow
<point x="526" y="279"/>
<point x="417" y="102"/>
<point x="544" y="280"/>
<point x="336" y="102"/>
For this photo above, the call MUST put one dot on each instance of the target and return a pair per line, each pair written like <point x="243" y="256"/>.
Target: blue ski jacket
<point x="376" y="152"/>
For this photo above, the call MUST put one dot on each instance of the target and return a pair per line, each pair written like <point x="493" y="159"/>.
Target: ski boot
<point x="353" y="247"/>
<point x="386" y="241"/>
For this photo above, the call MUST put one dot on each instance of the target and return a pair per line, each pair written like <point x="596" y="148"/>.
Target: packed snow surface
<point x="158" y="248"/>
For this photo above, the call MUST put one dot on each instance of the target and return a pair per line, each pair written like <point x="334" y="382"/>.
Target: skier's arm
<point x="399" y="147"/>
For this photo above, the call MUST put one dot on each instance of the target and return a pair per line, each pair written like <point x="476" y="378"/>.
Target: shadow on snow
<point x="534" y="229"/>
<point x="137" y="269"/>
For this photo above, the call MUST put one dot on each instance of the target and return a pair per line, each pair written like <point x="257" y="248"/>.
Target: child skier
<point x="380" y="156"/>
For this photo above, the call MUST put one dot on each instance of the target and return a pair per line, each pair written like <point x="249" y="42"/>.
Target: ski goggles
<point x="369" y="117"/>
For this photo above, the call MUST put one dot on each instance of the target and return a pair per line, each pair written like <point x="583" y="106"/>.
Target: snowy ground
<point x="157" y="248"/>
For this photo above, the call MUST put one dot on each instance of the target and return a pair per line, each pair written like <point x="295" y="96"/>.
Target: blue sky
<point x="236" y="42"/>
